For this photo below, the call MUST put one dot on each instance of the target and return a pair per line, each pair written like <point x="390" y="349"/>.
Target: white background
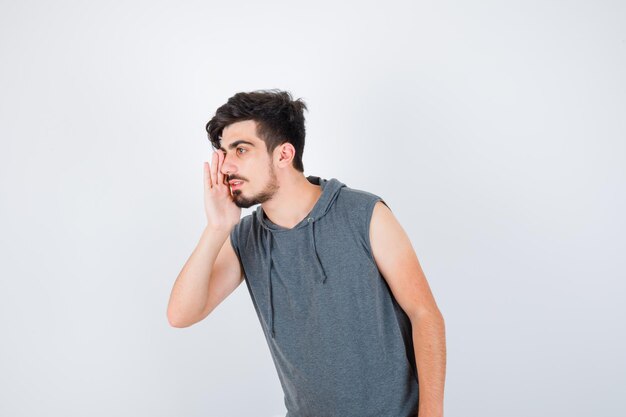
<point x="495" y="130"/>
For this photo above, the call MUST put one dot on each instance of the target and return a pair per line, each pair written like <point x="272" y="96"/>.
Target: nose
<point x="227" y="167"/>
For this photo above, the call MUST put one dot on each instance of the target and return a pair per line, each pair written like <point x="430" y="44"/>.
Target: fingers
<point x="224" y="176"/>
<point x="214" y="161"/>
<point x="209" y="172"/>
<point x="220" y="161"/>
<point x="206" y="175"/>
<point x="213" y="174"/>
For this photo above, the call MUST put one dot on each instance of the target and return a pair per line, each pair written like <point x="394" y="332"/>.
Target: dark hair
<point x="279" y="119"/>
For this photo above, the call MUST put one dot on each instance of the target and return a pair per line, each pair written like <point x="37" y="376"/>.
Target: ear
<point x="285" y="154"/>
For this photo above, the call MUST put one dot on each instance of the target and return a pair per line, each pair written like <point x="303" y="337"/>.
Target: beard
<point x="268" y="192"/>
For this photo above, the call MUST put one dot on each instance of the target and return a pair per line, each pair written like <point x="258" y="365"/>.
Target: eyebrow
<point x="236" y="143"/>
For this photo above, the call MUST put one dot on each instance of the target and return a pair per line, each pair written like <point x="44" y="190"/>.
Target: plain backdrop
<point x="495" y="130"/>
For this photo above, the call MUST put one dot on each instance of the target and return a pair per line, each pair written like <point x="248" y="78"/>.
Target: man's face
<point x="246" y="159"/>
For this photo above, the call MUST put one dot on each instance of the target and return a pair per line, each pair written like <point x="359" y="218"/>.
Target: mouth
<point x="235" y="184"/>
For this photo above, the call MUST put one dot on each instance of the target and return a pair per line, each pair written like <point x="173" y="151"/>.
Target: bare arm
<point x="398" y="263"/>
<point x="212" y="271"/>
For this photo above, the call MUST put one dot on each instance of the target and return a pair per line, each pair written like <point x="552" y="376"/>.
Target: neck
<point x="295" y="198"/>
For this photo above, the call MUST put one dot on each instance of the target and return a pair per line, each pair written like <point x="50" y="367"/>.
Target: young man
<point x="348" y="315"/>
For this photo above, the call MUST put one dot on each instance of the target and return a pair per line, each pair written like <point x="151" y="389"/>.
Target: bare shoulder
<point x="386" y="233"/>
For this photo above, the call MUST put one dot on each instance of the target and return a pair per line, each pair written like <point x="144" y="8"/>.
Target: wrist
<point x="219" y="227"/>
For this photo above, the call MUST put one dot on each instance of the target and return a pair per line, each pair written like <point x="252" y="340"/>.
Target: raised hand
<point x="221" y="210"/>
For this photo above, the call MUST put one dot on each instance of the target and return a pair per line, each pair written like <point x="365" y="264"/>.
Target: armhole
<point x="368" y="221"/>
<point x="235" y="243"/>
<point x="233" y="238"/>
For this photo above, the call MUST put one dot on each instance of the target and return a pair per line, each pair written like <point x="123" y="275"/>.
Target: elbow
<point x="426" y="314"/>
<point x="176" y="320"/>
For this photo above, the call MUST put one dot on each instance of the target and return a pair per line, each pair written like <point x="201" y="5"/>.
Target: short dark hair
<point x="279" y="119"/>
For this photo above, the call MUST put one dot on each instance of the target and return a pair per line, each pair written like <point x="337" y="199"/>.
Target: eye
<point x="242" y="149"/>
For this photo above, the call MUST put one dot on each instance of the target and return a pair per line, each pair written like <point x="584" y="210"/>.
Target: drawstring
<point x="318" y="263"/>
<point x="317" y="258"/>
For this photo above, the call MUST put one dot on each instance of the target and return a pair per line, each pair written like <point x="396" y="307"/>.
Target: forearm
<point x="190" y="292"/>
<point x="429" y="342"/>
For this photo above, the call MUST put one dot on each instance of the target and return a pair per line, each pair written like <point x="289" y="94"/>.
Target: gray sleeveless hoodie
<point x="341" y="344"/>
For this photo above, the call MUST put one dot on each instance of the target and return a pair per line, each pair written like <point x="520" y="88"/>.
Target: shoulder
<point x="241" y="231"/>
<point x="356" y="208"/>
<point x="360" y="201"/>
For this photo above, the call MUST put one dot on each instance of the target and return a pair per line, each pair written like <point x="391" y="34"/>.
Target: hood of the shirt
<point x="330" y="191"/>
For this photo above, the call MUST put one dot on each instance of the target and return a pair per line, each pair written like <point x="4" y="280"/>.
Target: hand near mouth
<point x="221" y="211"/>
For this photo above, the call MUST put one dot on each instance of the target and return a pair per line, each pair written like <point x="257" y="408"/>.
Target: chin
<point x="240" y="201"/>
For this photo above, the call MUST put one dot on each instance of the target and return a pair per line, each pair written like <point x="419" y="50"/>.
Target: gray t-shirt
<point x="341" y="344"/>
